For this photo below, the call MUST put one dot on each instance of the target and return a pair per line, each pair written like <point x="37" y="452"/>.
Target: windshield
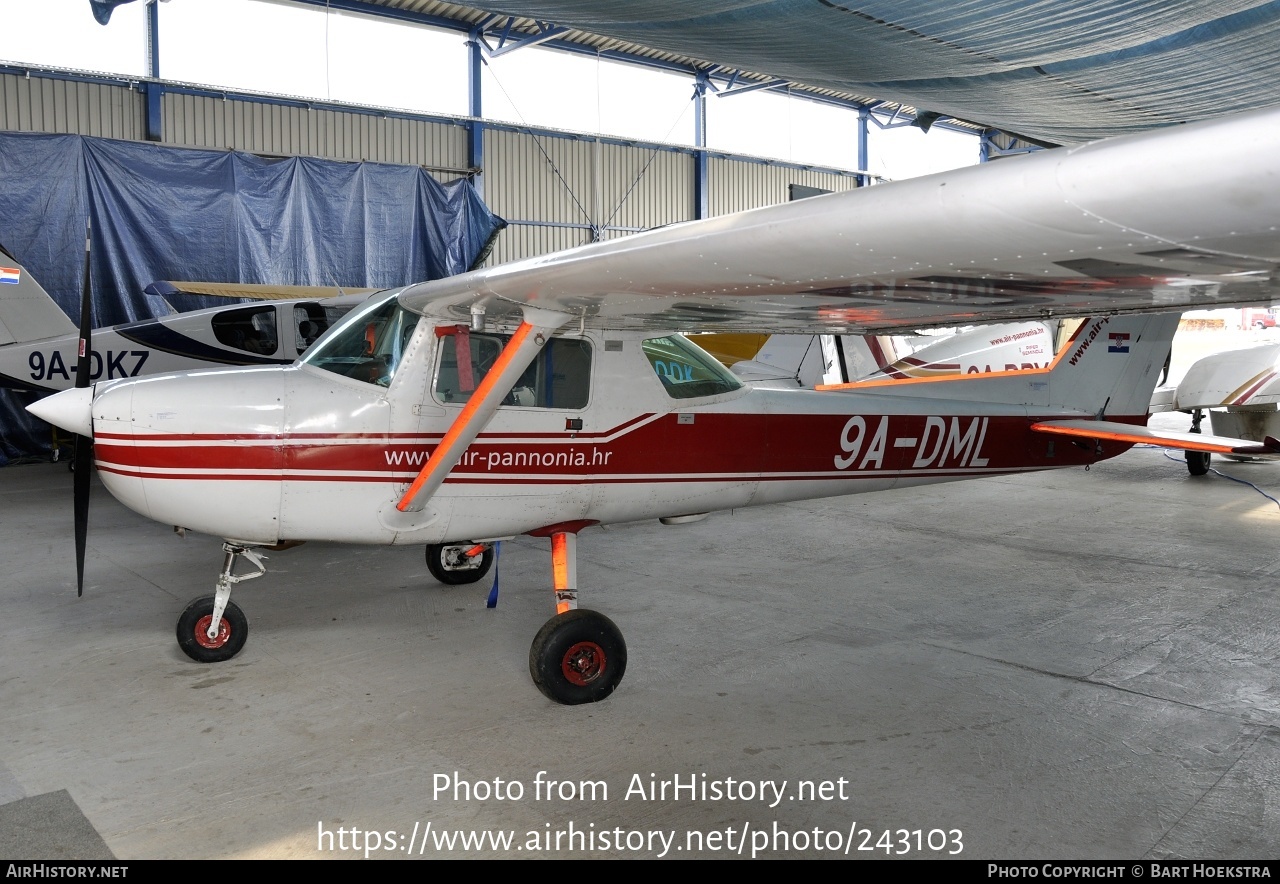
<point x="369" y="344"/>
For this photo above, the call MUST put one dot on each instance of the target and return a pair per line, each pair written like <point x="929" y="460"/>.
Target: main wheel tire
<point x="578" y="657"/>
<point x="193" y="627"/>
<point x="447" y="563"/>
<point x="1198" y="462"/>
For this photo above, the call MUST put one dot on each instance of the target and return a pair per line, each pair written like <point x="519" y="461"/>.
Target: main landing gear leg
<point x="578" y="656"/>
<point x="213" y="628"/>
<point x="1197" y="461"/>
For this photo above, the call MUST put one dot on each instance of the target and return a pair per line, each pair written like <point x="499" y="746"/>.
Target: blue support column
<point x="864" y="154"/>
<point x="984" y="146"/>
<point x="701" y="199"/>
<point x="151" y="90"/>
<point x="475" y="110"/>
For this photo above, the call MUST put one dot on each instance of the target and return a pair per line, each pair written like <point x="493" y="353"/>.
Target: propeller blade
<point x="83" y="455"/>
<point x="84" y="445"/>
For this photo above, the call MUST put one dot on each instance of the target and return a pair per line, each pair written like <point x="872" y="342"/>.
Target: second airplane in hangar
<point x="38" y="343"/>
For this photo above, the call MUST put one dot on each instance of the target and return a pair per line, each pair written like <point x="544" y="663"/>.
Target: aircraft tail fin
<point x="1111" y="364"/>
<point x="27" y="313"/>
<point x="1108" y="367"/>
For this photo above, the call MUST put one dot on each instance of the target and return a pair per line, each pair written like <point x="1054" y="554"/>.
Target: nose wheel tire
<point x="450" y="564"/>
<point x="578" y="657"/>
<point x="193" y="628"/>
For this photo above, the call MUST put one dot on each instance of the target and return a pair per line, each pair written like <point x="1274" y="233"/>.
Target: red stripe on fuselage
<point x="726" y="446"/>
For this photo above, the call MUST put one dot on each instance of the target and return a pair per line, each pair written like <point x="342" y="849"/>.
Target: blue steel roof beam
<point x="891" y="123"/>
<point x="506" y="32"/>
<point x="752" y="87"/>
<point x="990" y="146"/>
<point x="547" y="32"/>
<point x="902" y="120"/>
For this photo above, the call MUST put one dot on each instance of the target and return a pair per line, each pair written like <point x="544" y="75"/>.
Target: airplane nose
<point x="71" y="410"/>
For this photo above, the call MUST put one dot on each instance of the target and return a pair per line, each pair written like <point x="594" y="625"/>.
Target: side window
<point x="252" y="329"/>
<point x="560" y="377"/>
<point x="686" y="370"/>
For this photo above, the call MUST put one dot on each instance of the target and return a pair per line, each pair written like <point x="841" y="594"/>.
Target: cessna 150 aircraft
<point x="556" y="393"/>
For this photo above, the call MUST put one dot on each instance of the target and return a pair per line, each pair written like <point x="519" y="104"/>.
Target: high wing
<point x="1176" y="219"/>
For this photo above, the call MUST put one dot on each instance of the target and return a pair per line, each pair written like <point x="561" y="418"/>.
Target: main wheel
<point x="193" y="628"/>
<point x="1198" y="462"/>
<point x="578" y="657"/>
<point x="450" y="564"/>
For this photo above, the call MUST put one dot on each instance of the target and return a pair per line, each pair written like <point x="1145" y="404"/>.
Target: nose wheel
<point x="227" y="639"/>
<point x="213" y="628"/>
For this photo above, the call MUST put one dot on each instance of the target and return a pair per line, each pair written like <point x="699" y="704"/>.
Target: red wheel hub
<point x="582" y="664"/>
<point x="202" y="632"/>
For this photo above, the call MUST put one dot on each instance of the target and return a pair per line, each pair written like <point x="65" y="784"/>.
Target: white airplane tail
<point x="27" y="313"/>
<point x="1108" y="367"/>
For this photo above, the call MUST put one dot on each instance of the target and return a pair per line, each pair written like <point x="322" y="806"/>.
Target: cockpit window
<point x="686" y="370"/>
<point x="369" y="343"/>
<point x="252" y="329"/>
<point x="560" y="376"/>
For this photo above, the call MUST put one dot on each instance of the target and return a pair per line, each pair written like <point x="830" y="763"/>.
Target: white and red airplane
<point x="556" y="393"/>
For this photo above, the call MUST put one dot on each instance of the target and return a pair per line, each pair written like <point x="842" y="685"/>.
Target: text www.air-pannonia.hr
<point x="492" y="460"/>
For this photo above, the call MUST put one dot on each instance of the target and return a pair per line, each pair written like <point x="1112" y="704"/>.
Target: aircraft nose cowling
<point x="71" y="410"/>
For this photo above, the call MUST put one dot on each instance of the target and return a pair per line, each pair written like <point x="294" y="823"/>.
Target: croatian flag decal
<point x="1119" y="342"/>
<point x="10" y="275"/>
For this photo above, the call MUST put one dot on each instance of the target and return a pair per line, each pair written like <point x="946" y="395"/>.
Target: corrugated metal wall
<point x="552" y="188"/>
<point x="737" y="185"/>
<point x="45" y="104"/>
<point x="541" y="183"/>
<point x="283" y="130"/>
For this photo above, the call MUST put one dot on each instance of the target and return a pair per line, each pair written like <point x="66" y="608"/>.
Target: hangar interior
<point x="1066" y="664"/>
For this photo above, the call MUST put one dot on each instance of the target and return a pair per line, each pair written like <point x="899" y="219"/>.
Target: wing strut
<point x="516" y="356"/>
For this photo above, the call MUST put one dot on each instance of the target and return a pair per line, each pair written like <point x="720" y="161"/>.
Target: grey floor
<point x="1079" y="664"/>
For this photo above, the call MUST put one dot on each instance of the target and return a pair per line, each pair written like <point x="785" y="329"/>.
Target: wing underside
<point x="1178" y="219"/>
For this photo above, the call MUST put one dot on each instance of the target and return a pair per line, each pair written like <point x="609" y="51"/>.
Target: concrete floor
<point x="1078" y="664"/>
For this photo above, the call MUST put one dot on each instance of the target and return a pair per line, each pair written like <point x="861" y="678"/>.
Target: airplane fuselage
<point x="301" y="453"/>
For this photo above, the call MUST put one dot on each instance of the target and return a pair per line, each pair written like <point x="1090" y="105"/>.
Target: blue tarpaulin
<point x="161" y="212"/>
<point x="102" y="9"/>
